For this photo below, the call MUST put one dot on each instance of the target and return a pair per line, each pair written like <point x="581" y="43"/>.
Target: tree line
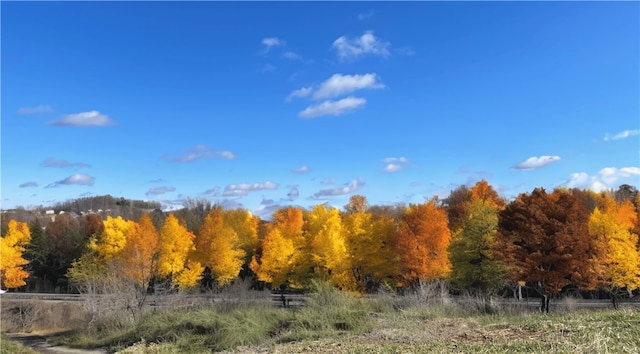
<point x="475" y="239"/>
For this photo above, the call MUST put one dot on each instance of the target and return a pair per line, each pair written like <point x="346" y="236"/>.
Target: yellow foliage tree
<point x="329" y="248"/>
<point x="611" y="224"/>
<point x="12" y="245"/>
<point x="218" y="247"/>
<point x="113" y="238"/>
<point x="369" y="243"/>
<point x="246" y="226"/>
<point x="285" y="255"/>
<point x="176" y="244"/>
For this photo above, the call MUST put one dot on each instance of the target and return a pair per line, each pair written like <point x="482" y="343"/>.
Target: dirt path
<point x="41" y="345"/>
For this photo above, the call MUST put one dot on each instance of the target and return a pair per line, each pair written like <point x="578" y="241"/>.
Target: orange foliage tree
<point x="218" y="247"/>
<point x="421" y="243"/>
<point x="544" y="239"/>
<point x="140" y="253"/>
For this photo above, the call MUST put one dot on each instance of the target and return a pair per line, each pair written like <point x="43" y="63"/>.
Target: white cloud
<point x="270" y="42"/>
<point x="35" y="110"/>
<point x="334" y="108"/>
<point x="622" y="135"/>
<point x="536" y="162"/>
<point x="291" y="55"/>
<point x="395" y="160"/>
<point x="77" y="179"/>
<point x="392" y="167"/>
<point x="51" y="162"/>
<point x="200" y="152"/>
<point x="28" y="184"/>
<point x="351" y="187"/>
<point x="227" y="155"/>
<point x="338" y="85"/>
<point x="302" y="92"/>
<point x="84" y="119"/>
<point x="160" y="190"/>
<point x="242" y="189"/>
<point x="394" y="164"/>
<point x="606" y="178"/>
<point x="301" y="169"/>
<point x="351" y="49"/>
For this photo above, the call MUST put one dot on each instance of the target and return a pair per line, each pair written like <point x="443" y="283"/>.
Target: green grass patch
<point x="9" y="346"/>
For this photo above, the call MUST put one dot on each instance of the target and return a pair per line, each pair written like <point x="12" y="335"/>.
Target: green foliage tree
<point x="472" y="251"/>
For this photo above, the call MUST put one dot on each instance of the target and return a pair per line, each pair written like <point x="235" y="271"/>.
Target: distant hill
<point x="115" y="206"/>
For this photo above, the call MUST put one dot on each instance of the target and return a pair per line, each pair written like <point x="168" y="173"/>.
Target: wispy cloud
<point x="622" y="135"/>
<point x="294" y="193"/>
<point x="395" y="164"/>
<point x="213" y="192"/>
<point x="339" y="85"/>
<point x="160" y="190"/>
<point x="301" y="169"/>
<point x="335" y="86"/>
<point x="28" y="184"/>
<point x="291" y="55"/>
<point x="242" y="189"/>
<point x="606" y="178"/>
<point x="200" y="152"/>
<point x="35" y="110"/>
<point x="536" y="162"/>
<point x="270" y="42"/>
<point x="366" y="15"/>
<point x="76" y="179"/>
<point x="351" y="187"/>
<point x="51" y="162"/>
<point x="84" y="119"/>
<point x="334" y="108"/>
<point x="328" y="181"/>
<point x="367" y="44"/>
<point x="157" y="180"/>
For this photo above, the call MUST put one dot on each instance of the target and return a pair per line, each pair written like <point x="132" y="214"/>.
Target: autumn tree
<point x="175" y="246"/>
<point x="472" y="251"/>
<point x="357" y="204"/>
<point x="331" y="260"/>
<point x="421" y="242"/>
<point x="114" y="236"/>
<point x="285" y="256"/>
<point x="139" y="256"/>
<point x="611" y="224"/>
<point x="218" y="247"/>
<point x="246" y="227"/>
<point x="456" y="206"/>
<point x="369" y="241"/>
<point x="544" y="239"/>
<point x="484" y="192"/>
<point x="12" y="262"/>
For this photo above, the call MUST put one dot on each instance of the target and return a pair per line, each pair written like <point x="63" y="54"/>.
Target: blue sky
<point x="264" y="105"/>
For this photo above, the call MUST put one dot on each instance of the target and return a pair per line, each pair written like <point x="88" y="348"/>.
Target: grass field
<point x="335" y="322"/>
